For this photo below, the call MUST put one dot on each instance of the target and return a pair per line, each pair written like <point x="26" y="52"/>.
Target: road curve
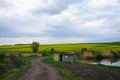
<point x="40" y="71"/>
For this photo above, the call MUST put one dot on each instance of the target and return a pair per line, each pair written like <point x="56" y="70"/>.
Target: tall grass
<point x="11" y="66"/>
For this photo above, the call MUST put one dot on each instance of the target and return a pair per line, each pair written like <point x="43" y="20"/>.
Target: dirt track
<point x="40" y="71"/>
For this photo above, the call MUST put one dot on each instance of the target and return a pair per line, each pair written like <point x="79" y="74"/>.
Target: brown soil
<point x="40" y="71"/>
<point x="88" y="72"/>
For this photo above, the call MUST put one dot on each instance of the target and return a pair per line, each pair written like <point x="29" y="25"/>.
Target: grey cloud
<point x="68" y="24"/>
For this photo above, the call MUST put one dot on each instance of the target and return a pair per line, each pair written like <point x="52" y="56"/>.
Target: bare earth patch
<point x="88" y="72"/>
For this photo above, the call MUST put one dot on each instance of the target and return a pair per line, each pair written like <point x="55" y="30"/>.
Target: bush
<point x="3" y="68"/>
<point x="99" y="56"/>
<point x="44" y="53"/>
<point x="83" y="50"/>
<point x="79" y="56"/>
<point x="115" y="54"/>
<point x="16" y="61"/>
<point x="52" y="51"/>
<point x="2" y="57"/>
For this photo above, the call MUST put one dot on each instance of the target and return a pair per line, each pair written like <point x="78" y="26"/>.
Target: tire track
<point x="40" y="71"/>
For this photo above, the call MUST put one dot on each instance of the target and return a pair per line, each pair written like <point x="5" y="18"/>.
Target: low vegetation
<point x="67" y="75"/>
<point x="11" y="65"/>
<point x="101" y="47"/>
<point x="48" y="49"/>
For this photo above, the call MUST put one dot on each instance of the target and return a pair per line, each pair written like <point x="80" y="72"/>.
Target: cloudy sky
<point x="59" y="21"/>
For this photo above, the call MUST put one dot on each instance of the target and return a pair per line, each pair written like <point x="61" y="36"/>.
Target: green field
<point x="26" y="48"/>
<point x="101" y="47"/>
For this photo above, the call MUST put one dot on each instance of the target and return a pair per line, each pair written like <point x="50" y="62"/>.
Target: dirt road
<point x="40" y="71"/>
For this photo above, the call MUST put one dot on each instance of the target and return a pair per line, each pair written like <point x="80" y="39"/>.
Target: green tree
<point x="35" y="46"/>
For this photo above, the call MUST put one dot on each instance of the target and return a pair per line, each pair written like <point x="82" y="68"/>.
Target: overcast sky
<point x="59" y="21"/>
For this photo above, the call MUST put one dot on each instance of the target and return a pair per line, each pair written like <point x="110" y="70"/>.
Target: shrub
<point x="2" y="57"/>
<point x="83" y="50"/>
<point x="79" y="56"/>
<point x="44" y="53"/>
<point x="15" y="61"/>
<point x="52" y="51"/>
<point x="99" y="56"/>
<point x="115" y="54"/>
<point x="3" y="68"/>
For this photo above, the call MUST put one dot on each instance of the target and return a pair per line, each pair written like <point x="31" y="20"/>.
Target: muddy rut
<point x="40" y="71"/>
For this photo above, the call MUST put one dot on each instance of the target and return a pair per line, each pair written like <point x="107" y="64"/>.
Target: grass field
<point x="101" y="47"/>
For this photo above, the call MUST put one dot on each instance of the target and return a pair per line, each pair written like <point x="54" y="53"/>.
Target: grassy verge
<point x="14" y="73"/>
<point x="50" y="61"/>
<point x="67" y="75"/>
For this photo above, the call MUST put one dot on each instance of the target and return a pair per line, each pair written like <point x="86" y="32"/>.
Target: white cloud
<point x="62" y="18"/>
<point x="22" y="8"/>
<point x="102" y="3"/>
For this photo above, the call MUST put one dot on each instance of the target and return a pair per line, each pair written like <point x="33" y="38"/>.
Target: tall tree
<point x="35" y="46"/>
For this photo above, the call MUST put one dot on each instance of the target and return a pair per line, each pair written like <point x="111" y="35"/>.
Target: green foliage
<point x="99" y="47"/>
<point x="3" y="68"/>
<point x="115" y="54"/>
<point x="52" y="50"/>
<point x="44" y="53"/>
<point x="79" y="55"/>
<point x="10" y="62"/>
<point x="16" y="61"/>
<point x="12" y="66"/>
<point x="99" y="56"/>
<point x="2" y="57"/>
<point x="48" y="60"/>
<point x="83" y="50"/>
<point x="35" y="46"/>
